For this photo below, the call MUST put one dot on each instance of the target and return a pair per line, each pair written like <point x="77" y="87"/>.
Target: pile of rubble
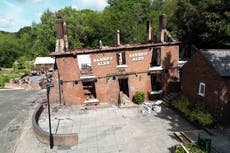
<point x="28" y="82"/>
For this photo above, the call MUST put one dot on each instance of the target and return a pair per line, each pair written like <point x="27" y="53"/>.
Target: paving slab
<point x="116" y="130"/>
<point x="110" y="130"/>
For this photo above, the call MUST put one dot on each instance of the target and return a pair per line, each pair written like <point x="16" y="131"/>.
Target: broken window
<point x="156" y="81"/>
<point x="121" y="59"/>
<point x="156" y="57"/>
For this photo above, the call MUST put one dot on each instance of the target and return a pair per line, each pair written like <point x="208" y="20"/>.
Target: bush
<point x="3" y="80"/>
<point x="197" y="113"/>
<point x="139" y="97"/>
<point x="203" y="118"/>
<point x="183" y="105"/>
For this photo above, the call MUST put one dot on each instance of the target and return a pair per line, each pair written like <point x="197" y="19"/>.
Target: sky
<point x="15" y="14"/>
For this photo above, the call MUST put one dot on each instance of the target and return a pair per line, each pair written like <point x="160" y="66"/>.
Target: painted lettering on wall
<point x="102" y="60"/>
<point x="138" y="56"/>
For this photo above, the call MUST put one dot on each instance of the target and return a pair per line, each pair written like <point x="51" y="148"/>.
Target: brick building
<point x="101" y="74"/>
<point x="206" y="78"/>
<point x="43" y="63"/>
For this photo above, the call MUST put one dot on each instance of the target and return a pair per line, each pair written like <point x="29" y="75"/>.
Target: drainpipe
<point x="59" y="88"/>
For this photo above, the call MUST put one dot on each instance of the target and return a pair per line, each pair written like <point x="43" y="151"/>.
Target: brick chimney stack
<point x="162" y="22"/>
<point x="164" y="35"/>
<point x="149" y="31"/>
<point x="59" y="26"/>
<point x="118" y="38"/>
<point x="59" y="33"/>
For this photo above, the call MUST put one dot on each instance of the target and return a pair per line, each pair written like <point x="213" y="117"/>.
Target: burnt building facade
<point x="101" y="74"/>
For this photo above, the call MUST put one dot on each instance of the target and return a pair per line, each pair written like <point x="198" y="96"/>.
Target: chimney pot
<point x="162" y="22"/>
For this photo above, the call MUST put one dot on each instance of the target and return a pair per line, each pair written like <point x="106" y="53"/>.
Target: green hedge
<point x="195" y="113"/>
<point x="139" y="97"/>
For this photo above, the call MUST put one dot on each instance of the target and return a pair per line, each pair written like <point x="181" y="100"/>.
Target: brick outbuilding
<point x="101" y="74"/>
<point x="206" y="78"/>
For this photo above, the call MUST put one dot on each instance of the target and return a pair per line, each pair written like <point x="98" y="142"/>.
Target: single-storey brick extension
<point x="206" y="78"/>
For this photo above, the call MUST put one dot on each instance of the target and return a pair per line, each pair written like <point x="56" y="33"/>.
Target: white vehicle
<point x="148" y="107"/>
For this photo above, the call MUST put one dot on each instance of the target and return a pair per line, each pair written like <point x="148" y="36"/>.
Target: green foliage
<point x="139" y="97"/>
<point x="182" y="104"/>
<point x="204" y="23"/>
<point x="180" y="150"/>
<point x="203" y="118"/>
<point x="193" y="148"/>
<point x="197" y="113"/>
<point x="3" y="80"/>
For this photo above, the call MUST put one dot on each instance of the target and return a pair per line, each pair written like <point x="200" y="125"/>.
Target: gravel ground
<point x="14" y="109"/>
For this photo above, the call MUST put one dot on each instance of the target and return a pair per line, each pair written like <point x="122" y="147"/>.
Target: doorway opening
<point x="156" y="85"/>
<point x="124" y="86"/>
<point x="156" y="82"/>
<point x="89" y="90"/>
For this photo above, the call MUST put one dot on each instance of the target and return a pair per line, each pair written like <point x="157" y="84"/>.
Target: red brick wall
<point x="107" y="89"/>
<point x="170" y="57"/>
<point x="69" y="70"/>
<point x="54" y="91"/>
<point x="199" y="70"/>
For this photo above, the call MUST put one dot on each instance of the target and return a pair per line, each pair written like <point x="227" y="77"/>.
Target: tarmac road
<point x="14" y="109"/>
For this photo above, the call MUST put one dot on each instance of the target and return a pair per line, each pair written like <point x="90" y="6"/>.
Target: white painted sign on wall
<point x="138" y="56"/>
<point x="103" y="60"/>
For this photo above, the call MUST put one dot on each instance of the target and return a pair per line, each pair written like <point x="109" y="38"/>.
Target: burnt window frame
<point x="156" y="57"/>
<point x="122" y="56"/>
<point x="85" y="66"/>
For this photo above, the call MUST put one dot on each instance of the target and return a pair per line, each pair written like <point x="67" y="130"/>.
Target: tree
<point x="204" y="23"/>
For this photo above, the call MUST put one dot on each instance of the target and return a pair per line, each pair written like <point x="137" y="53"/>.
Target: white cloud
<point x="29" y="1"/>
<point x="6" y="21"/>
<point x="11" y="24"/>
<point x="12" y="18"/>
<point x="91" y="4"/>
<point x="12" y="5"/>
<point x="15" y="14"/>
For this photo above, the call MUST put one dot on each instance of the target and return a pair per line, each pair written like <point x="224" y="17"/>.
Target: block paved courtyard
<point x="115" y="130"/>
